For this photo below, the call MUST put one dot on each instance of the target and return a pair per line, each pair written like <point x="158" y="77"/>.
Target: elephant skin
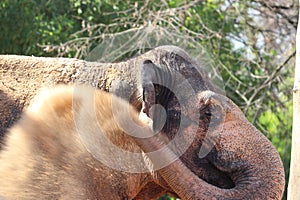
<point x="168" y="77"/>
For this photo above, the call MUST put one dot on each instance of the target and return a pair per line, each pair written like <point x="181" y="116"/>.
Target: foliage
<point x="251" y="43"/>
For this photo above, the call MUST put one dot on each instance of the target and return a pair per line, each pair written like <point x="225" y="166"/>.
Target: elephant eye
<point x="211" y="115"/>
<point x="211" y="110"/>
<point x="208" y="113"/>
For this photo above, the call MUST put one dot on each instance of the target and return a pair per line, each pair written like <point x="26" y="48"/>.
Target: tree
<point x="294" y="181"/>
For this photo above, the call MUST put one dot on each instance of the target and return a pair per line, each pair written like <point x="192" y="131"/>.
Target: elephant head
<point x="221" y="155"/>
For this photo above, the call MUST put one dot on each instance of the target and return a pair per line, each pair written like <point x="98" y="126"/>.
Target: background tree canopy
<point x="250" y="43"/>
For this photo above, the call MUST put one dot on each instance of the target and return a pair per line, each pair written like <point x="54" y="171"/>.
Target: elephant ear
<point x="148" y="77"/>
<point x="154" y="84"/>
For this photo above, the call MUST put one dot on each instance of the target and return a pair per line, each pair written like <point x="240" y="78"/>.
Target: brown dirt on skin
<point x="22" y="76"/>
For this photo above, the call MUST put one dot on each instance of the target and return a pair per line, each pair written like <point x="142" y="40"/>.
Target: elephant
<point x="122" y="78"/>
<point x="219" y="151"/>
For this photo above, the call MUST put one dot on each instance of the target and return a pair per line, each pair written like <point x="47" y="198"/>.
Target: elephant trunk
<point x="189" y="186"/>
<point x="252" y="181"/>
<point x="182" y="181"/>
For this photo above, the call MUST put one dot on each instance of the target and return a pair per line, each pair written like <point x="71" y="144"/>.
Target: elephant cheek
<point x="193" y="135"/>
<point x="200" y="142"/>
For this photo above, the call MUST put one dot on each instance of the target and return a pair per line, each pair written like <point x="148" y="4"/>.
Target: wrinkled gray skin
<point x="242" y="163"/>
